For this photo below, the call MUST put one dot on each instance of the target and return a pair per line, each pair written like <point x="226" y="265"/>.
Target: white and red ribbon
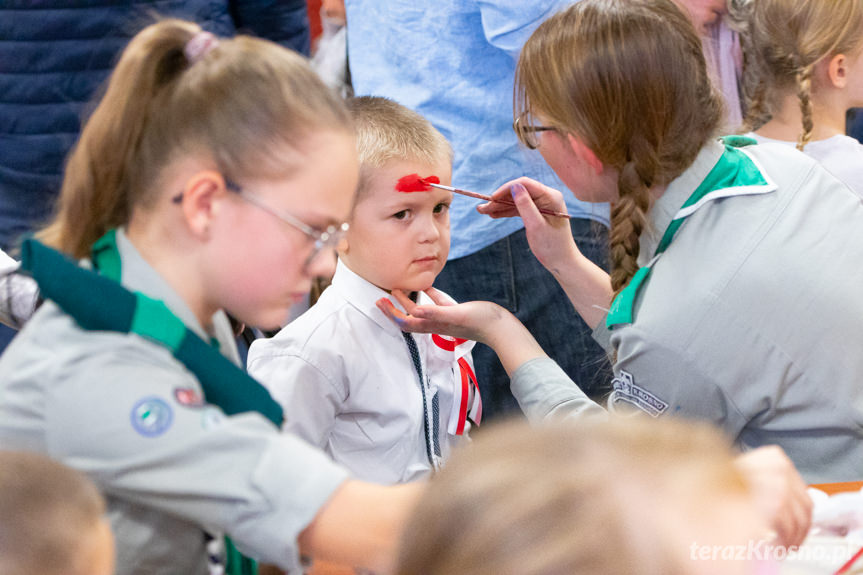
<point x="466" y="407"/>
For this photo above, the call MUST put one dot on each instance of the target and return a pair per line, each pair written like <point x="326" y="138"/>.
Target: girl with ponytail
<point x="734" y="292"/>
<point x="213" y="176"/>
<point x="805" y="58"/>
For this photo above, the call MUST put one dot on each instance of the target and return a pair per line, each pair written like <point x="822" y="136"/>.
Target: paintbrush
<point x="847" y="566"/>
<point x="490" y="199"/>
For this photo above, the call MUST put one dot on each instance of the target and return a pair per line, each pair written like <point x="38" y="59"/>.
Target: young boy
<point x="52" y="519"/>
<point x="388" y="405"/>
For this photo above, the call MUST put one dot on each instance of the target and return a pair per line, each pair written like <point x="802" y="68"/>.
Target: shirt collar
<point x="138" y="275"/>
<point x="363" y="295"/>
<point x="678" y="191"/>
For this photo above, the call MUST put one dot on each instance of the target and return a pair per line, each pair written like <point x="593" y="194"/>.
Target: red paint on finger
<point x="414" y="183"/>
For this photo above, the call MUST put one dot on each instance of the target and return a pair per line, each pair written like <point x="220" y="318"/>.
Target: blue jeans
<point x="507" y="273"/>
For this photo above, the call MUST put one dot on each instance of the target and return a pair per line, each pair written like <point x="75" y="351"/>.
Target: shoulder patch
<point x="189" y="397"/>
<point x="626" y="390"/>
<point x="212" y="417"/>
<point x="151" y="416"/>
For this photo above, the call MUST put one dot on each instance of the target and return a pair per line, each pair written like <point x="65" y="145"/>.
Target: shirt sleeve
<point x="508" y="24"/>
<point x="310" y="400"/>
<point x="19" y="295"/>
<point x="543" y="390"/>
<point x="130" y="420"/>
<point x="662" y="380"/>
<point x="602" y="336"/>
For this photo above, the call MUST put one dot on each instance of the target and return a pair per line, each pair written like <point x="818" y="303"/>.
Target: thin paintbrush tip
<point x="442" y="187"/>
<point x="490" y="199"/>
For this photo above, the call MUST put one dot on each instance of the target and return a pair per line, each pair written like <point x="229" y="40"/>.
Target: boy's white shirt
<point x="345" y="378"/>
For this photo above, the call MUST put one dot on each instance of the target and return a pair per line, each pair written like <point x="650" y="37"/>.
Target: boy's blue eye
<point x="401" y="215"/>
<point x="442" y="207"/>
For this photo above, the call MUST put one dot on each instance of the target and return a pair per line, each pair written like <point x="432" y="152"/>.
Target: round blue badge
<point x="151" y="416"/>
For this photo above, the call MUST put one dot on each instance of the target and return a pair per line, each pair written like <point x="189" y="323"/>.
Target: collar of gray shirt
<point x="675" y="195"/>
<point x="139" y="275"/>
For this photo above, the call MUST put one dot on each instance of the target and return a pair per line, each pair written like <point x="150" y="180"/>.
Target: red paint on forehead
<point x="414" y="183"/>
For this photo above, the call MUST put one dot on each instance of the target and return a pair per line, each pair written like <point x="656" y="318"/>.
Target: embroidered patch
<point x="626" y="390"/>
<point x="188" y="396"/>
<point x="151" y="416"/>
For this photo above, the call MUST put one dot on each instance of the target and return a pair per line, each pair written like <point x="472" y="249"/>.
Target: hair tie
<point x="199" y="46"/>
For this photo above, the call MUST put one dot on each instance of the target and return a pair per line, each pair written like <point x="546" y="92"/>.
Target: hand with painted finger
<point x="542" y="196"/>
<point x="480" y="321"/>
<point x="550" y="238"/>
<point x="466" y="320"/>
<point x="586" y="284"/>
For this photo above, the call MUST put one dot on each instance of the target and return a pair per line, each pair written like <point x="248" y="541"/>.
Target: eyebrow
<point x="318" y="221"/>
<point x="410" y="200"/>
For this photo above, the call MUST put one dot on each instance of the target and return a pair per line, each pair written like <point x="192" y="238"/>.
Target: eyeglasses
<point x="527" y="133"/>
<point x="328" y="239"/>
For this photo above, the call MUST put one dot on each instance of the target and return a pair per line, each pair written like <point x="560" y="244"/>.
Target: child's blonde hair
<point x="387" y="132"/>
<point x="47" y="511"/>
<point x="565" y="498"/>
<point x="244" y="103"/>
<point x="629" y="79"/>
<point x="784" y="41"/>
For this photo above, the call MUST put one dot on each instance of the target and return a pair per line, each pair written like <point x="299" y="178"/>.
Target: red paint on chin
<point x="414" y="183"/>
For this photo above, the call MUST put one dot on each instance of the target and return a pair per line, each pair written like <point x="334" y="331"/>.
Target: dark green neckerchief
<point x="97" y="301"/>
<point x="735" y="174"/>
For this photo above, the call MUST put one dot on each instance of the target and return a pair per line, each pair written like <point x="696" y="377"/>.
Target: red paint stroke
<point x="414" y="183"/>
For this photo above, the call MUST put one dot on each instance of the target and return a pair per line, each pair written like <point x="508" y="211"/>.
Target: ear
<point x="586" y="154"/>
<point x="202" y="198"/>
<point x="837" y="71"/>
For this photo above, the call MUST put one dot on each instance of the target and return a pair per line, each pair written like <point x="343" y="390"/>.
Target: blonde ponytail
<point x="244" y="102"/>
<point x="97" y="188"/>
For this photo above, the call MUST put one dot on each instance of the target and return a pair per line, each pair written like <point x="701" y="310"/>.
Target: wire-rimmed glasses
<point x="527" y="134"/>
<point x="327" y="239"/>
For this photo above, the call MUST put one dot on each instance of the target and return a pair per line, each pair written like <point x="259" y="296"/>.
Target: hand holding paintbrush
<point x="550" y="238"/>
<point x="501" y="199"/>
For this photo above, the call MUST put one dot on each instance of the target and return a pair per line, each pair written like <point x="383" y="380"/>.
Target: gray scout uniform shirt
<point x="124" y="411"/>
<point x="751" y="320"/>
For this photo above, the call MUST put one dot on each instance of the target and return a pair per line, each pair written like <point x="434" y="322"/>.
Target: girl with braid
<point x="807" y="57"/>
<point x="734" y="292"/>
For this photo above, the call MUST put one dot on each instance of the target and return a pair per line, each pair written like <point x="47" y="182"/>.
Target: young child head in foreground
<point x="52" y="519"/>
<point x="397" y="239"/>
<point x="630" y="496"/>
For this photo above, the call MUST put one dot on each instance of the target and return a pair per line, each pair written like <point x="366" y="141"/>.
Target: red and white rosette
<point x="465" y="404"/>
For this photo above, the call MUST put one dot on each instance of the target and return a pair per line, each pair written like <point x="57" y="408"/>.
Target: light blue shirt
<point x="453" y="61"/>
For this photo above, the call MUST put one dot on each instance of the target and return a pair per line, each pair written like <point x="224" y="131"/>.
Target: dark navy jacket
<point x="55" y="54"/>
<point x="855" y="124"/>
